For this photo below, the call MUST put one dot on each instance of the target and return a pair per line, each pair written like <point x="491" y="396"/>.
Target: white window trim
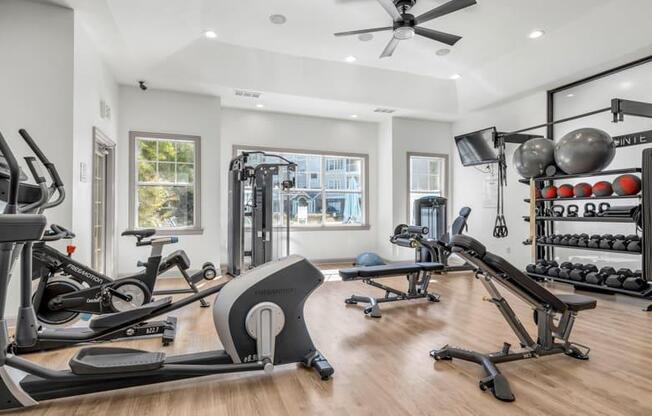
<point x="197" y="227"/>
<point x="444" y="193"/>
<point x="364" y="185"/>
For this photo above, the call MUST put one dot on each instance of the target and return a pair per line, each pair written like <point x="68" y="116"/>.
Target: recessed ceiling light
<point x="260" y="105"/>
<point x="570" y="95"/>
<point x="535" y="34"/>
<point x="365" y="37"/>
<point x="456" y="76"/>
<point x="443" y="52"/>
<point x="278" y="19"/>
<point x="350" y="59"/>
<point x="354" y="116"/>
<point x="210" y="34"/>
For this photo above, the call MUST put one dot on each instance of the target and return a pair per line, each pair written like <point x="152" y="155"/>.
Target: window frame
<point x="196" y="229"/>
<point x="444" y="193"/>
<point x="364" y="188"/>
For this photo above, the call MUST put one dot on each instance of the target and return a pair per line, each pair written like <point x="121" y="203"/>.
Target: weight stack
<point x="646" y="176"/>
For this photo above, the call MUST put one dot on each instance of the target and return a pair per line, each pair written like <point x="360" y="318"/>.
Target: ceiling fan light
<point x="404" y="33"/>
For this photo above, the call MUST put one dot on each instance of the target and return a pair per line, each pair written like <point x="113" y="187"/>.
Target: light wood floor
<point x="382" y="366"/>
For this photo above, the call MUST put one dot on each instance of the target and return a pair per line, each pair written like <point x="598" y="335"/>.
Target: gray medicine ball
<point x="533" y="157"/>
<point x="584" y="150"/>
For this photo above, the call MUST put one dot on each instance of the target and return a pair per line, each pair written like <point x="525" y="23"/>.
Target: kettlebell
<point x="583" y="241"/>
<point x="589" y="209"/>
<point x="602" y="208"/>
<point x="572" y="211"/>
<point x="606" y="241"/>
<point x="556" y="211"/>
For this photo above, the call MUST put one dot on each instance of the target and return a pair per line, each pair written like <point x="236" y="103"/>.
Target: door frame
<point x="102" y="140"/>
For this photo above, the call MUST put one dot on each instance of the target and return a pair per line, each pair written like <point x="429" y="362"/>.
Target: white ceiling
<point x="161" y="41"/>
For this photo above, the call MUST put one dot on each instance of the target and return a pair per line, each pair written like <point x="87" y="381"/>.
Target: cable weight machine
<point x="251" y="245"/>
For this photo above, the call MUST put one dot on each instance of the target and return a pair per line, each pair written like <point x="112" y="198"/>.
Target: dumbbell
<point x="616" y="280"/>
<point x="572" y="211"/>
<point x="634" y="244"/>
<point x="606" y="241"/>
<point x="620" y="242"/>
<point x="530" y="268"/>
<point x="635" y="282"/>
<point x="574" y="240"/>
<point x="579" y="273"/>
<point x="589" y="209"/>
<point x="550" y="238"/>
<point x="541" y="239"/>
<point x="565" y="269"/>
<point x="557" y="239"/>
<point x="598" y="278"/>
<point x="542" y="266"/>
<point x="594" y="241"/>
<point x="565" y="240"/>
<point x="583" y="241"/>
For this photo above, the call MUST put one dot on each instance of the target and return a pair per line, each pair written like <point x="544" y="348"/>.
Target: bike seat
<point x="140" y="234"/>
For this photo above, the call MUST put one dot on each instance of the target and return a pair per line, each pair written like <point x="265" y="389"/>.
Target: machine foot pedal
<point x="103" y="360"/>
<point x="499" y="387"/>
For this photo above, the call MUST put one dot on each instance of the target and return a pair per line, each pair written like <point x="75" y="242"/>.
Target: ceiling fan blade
<point x="442" y="37"/>
<point x="389" y="6"/>
<point x="358" y="32"/>
<point x="390" y="48"/>
<point x="446" y="8"/>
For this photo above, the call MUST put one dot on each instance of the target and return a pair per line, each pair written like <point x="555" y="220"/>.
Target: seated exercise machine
<point x="417" y="274"/>
<point x="430" y="212"/>
<point x="258" y="317"/>
<point x="553" y="314"/>
<point x="67" y="288"/>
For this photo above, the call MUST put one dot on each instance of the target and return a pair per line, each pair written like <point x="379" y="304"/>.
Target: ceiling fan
<point x="405" y="25"/>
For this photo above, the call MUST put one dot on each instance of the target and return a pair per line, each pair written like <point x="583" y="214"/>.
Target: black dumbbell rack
<point x="541" y="251"/>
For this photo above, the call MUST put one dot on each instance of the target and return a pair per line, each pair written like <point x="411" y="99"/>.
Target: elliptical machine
<point x="258" y="317"/>
<point x="69" y="288"/>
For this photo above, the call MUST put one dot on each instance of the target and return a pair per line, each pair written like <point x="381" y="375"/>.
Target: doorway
<point x="103" y="208"/>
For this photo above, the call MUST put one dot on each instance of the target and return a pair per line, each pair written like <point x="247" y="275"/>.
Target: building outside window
<point x="330" y="189"/>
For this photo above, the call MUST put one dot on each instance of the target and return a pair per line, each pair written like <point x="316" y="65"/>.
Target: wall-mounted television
<point x="477" y="148"/>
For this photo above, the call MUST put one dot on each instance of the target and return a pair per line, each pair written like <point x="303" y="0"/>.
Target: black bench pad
<point x="396" y="269"/>
<point x="578" y="302"/>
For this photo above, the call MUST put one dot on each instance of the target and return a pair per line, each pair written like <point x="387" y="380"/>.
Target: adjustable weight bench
<point x="417" y="274"/>
<point x="552" y="338"/>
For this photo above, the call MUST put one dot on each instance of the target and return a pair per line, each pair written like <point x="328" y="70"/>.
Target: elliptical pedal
<point x="103" y="360"/>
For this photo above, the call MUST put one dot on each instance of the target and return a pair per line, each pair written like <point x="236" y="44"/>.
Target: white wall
<point x="160" y="111"/>
<point x="93" y="82"/>
<point x="36" y="91"/>
<point x="469" y="182"/>
<point x="399" y="137"/>
<point x="284" y="131"/>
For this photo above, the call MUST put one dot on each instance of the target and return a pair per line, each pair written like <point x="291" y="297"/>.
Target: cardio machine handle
<point x="14" y="180"/>
<point x="157" y="241"/>
<point x="57" y="233"/>
<point x="37" y="151"/>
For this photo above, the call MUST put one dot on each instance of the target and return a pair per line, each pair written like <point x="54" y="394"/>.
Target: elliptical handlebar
<point x="57" y="183"/>
<point x="14" y="181"/>
<point x="56" y="233"/>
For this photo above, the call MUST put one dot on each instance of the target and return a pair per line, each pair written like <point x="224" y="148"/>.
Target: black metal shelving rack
<point x="619" y="109"/>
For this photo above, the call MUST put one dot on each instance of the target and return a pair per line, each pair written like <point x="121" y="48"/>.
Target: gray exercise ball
<point x="584" y="150"/>
<point x="533" y="157"/>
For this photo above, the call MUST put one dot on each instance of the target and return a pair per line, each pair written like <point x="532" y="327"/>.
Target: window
<point x="426" y="177"/>
<point x="164" y="176"/>
<point x="330" y="189"/>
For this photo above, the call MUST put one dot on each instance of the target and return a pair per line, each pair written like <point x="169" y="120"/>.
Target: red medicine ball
<point x="627" y="185"/>
<point x="565" y="191"/>
<point x="549" y="192"/>
<point x="583" y="190"/>
<point x="603" y="188"/>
